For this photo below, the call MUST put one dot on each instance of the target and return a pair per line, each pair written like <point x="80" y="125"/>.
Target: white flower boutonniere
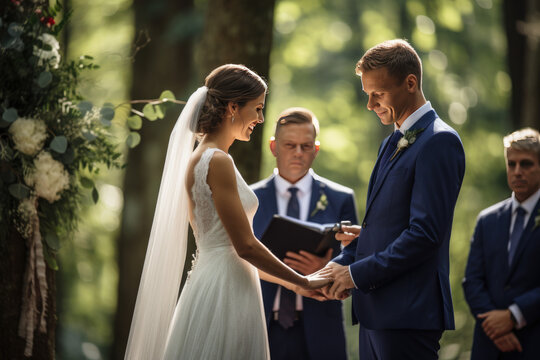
<point x="537" y="220"/>
<point x="407" y="140"/>
<point x="322" y="203"/>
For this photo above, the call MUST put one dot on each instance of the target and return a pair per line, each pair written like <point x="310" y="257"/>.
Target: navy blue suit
<point x="400" y="261"/>
<point x="323" y="321"/>
<point x="490" y="283"/>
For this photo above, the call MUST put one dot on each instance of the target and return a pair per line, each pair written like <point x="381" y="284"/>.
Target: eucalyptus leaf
<point x="52" y="240"/>
<point x="167" y="95"/>
<point x="133" y="139"/>
<point x="85" y="106"/>
<point x="59" y="144"/>
<point x="149" y="112"/>
<point x="89" y="136"/>
<point x="10" y="115"/>
<point x="44" y="79"/>
<point x="87" y="183"/>
<point x="19" y="191"/>
<point x="68" y="157"/>
<point x="15" y="29"/>
<point x="95" y="195"/>
<point x="134" y="122"/>
<point x="160" y="113"/>
<point x="107" y="114"/>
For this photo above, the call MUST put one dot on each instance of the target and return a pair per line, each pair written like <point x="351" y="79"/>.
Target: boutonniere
<point x="537" y="220"/>
<point x="322" y="203"/>
<point x="407" y="140"/>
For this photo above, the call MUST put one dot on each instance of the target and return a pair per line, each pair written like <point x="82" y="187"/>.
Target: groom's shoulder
<point x="332" y="186"/>
<point x="440" y="127"/>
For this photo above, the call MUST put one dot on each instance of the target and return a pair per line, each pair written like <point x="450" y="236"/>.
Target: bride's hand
<point x="348" y="234"/>
<point x="314" y="294"/>
<point x="317" y="280"/>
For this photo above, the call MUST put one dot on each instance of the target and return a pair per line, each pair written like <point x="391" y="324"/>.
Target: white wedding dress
<point x="220" y="313"/>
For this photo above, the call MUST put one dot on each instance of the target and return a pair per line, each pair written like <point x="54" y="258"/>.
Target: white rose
<point x="49" y="177"/>
<point x="28" y="135"/>
<point x="51" y="57"/>
<point x="402" y="143"/>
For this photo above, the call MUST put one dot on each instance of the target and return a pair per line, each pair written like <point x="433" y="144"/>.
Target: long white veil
<point x="164" y="262"/>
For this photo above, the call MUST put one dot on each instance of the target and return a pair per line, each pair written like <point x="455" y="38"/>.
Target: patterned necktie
<point x="517" y="231"/>
<point x="390" y="149"/>
<point x="287" y="299"/>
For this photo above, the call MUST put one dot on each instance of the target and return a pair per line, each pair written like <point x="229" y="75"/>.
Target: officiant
<point x="300" y="327"/>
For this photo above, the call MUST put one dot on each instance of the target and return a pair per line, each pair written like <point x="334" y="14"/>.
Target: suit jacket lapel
<point x="502" y="234"/>
<point x="526" y="237"/>
<point x="269" y="199"/>
<point x="422" y="123"/>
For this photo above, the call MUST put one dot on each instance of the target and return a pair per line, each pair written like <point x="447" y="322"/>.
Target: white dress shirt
<point x="283" y="195"/>
<point x="528" y="205"/>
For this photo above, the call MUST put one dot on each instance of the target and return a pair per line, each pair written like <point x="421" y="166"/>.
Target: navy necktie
<point x="517" y="231"/>
<point x="287" y="298"/>
<point x="390" y="150"/>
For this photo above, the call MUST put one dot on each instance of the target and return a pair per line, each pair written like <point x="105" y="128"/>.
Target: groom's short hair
<point x="526" y="139"/>
<point x="297" y="115"/>
<point x="397" y="56"/>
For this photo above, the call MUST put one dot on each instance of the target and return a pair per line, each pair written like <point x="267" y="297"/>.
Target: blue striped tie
<point x="517" y="231"/>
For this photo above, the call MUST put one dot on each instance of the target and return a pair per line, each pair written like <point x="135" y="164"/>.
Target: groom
<point x="397" y="268"/>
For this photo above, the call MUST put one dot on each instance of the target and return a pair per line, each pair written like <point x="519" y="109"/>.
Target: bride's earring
<point x="232" y="119"/>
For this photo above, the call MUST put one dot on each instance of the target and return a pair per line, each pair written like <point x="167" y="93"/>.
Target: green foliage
<point x="38" y="94"/>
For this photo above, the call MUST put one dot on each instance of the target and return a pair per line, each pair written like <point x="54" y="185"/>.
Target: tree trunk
<point x="239" y="31"/>
<point x="13" y="257"/>
<point x="165" y="63"/>
<point x="522" y="23"/>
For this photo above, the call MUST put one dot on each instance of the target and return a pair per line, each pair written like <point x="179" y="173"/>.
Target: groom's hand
<point x="496" y="323"/>
<point x="342" y="281"/>
<point x="306" y="263"/>
<point x="348" y="234"/>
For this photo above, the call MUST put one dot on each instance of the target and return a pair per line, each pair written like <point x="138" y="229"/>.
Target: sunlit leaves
<point x="133" y="139"/>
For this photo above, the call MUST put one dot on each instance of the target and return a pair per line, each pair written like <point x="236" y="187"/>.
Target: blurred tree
<point x="162" y="60"/>
<point x="522" y="24"/>
<point x="239" y="31"/>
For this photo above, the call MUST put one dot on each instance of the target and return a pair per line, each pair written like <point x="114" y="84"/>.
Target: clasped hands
<point x="333" y="280"/>
<point x="498" y="327"/>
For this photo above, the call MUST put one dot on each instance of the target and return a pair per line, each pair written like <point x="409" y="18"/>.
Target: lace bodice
<point x="207" y="227"/>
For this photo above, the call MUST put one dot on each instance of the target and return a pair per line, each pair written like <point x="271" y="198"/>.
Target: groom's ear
<point x="412" y="83"/>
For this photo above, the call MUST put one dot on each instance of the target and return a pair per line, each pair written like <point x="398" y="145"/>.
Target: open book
<point x="285" y="233"/>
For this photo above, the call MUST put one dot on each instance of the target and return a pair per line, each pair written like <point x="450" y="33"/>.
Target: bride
<point x="219" y="314"/>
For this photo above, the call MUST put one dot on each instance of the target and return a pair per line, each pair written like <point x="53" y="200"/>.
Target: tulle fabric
<point x="220" y="311"/>
<point x="163" y="265"/>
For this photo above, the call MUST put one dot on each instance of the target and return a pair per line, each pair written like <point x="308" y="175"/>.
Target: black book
<point x="285" y="233"/>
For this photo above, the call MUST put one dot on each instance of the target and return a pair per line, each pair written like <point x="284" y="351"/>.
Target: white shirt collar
<point x="414" y="117"/>
<point x="528" y="205"/>
<point x="304" y="184"/>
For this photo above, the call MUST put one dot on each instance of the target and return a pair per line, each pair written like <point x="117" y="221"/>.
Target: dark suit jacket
<point x="490" y="283"/>
<point x="323" y="321"/>
<point x="400" y="261"/>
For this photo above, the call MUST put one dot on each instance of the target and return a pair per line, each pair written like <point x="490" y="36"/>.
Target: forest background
<point x="481" y="74"/>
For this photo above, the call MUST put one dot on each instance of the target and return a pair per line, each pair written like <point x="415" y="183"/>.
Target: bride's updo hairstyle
<point x="227" y="83"/>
